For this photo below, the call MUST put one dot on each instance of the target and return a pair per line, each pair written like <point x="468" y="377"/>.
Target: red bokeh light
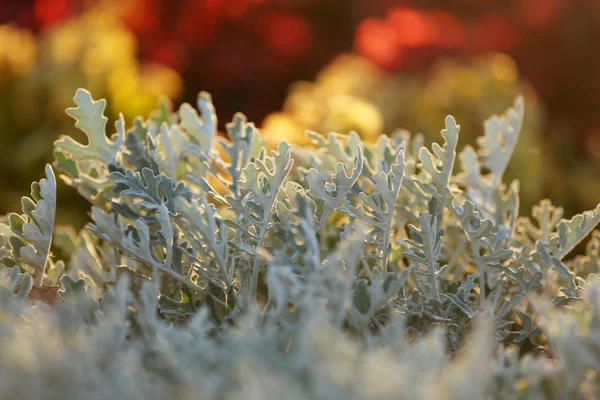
<point x="412" y="28"/>
<point x="449" y="30"/>
<point x="196" y="27"/>
<point x="228" y="9"/>
<point x="538" y="13"/>
<point x="141" y="16"/>
<point x="377" y="40"/>
<point x="172" y="54"/>
<point x="48" y="12"/>
<point x="285" y="32"/>
<point x="493" y="32"/>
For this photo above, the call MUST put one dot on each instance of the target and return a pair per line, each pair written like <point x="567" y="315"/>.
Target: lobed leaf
<point x="33" y="230"/>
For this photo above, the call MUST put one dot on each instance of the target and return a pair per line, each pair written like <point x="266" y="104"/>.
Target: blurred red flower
<point x="285" y="32"/>
<point x="378" y="40"/>
<point x="48" y="12"/>
<point x="449" y="30"/>
<point x="412" y="27"/>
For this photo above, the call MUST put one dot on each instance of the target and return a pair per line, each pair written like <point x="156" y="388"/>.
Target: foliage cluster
<point x="215" y="269"/>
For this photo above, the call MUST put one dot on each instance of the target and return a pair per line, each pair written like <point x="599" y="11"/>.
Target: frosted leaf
<point x="170" y="145"/>
<point x="137" y="147"/>
<point x="546" y="217"/>
<point x="440" y="164"/>
<point x="150" y="191"/>
<point x="333" y="149"/>
<point x="573" y="231"/>
<point x="202" y="129"/>
<point x="137" y="242"/>
<point x="377" y="208"/>
<point x="330" y="191"/>
<point x="472" y="222"/>
<point x="425" y="247"/>
<point x="14" y="284"/>
<point x="501" y="134"/>
<point x="89" y="117"/>
<point x="33" y="230"/>
<point x="243" y="145"/>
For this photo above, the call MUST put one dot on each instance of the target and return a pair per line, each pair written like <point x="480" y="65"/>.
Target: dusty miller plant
<point x="214" y="267"/>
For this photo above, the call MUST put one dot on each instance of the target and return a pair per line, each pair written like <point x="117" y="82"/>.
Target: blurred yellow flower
<point x="101" y="49"/>
<point x="96" y="40"/>
<point x="279" y="126"/>
<point x="503" y="67"/>
<point x="18" y="51"/>
<point x="335" y="102"/>
<point x="135" y="90"/>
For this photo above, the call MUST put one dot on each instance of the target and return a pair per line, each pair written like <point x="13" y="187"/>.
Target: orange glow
<point x="232" y="9"/>
<point x="140" y="16"/>
<point x="449" y="29"/>
<point x="285" y="32"/>
<point x="493" y="32"/>
<point x="538" y="13"/>
<point x="378" y="41"/>
<point x="412" y="28"/>
<point x="171" y="54"/>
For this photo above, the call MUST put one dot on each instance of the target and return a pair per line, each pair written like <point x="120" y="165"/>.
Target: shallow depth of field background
<point x="327" y="65"/>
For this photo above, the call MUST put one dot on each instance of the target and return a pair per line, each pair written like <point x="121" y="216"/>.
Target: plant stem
<point x="480" y="268"/>
<point x="386" y="241"/>
<point x="255" y="266"/>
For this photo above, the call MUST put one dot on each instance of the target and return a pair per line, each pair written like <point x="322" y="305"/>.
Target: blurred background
<point x="328" y="65"/>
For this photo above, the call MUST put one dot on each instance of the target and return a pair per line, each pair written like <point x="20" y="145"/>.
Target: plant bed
<point x="214" y="268"/>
